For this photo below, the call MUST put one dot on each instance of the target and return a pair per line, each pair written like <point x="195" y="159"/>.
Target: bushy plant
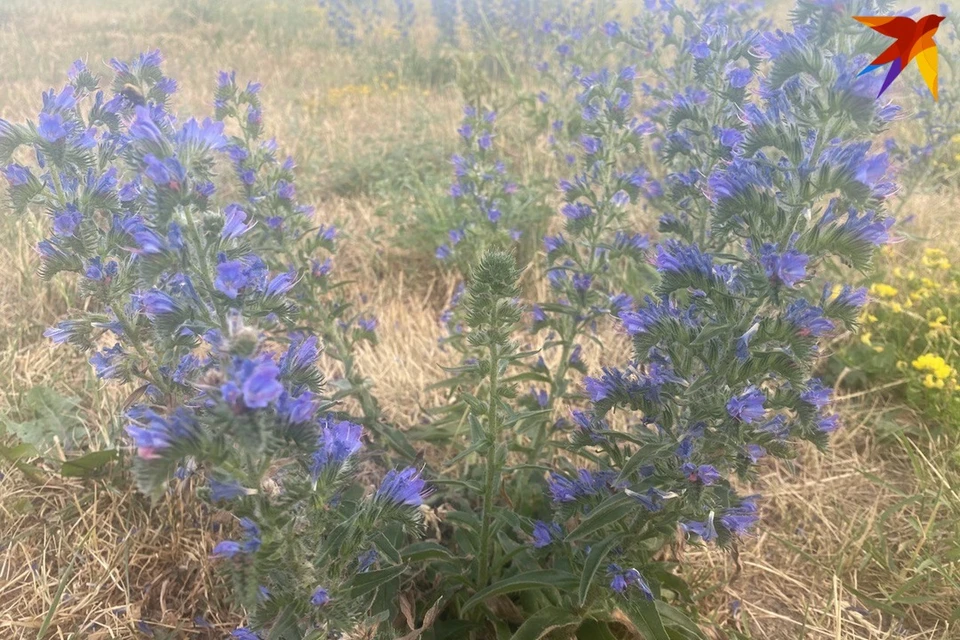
<point x="188" y="291"/>
<point x="724" y="351"/>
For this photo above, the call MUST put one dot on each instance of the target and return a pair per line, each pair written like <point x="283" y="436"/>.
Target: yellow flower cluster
<point x="881" y="290"/>
<point x="935" y="258"/>
<point x="939" y="373"/>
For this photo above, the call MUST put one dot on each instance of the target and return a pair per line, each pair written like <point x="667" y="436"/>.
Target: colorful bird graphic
<point x="914" y="40"/>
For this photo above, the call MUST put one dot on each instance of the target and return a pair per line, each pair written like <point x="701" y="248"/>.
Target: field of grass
<point x="862" y="542"/>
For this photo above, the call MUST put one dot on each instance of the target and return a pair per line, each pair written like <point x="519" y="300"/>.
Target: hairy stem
<point x="492" y="470"/>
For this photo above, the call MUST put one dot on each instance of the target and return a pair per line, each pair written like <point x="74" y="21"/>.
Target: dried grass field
<point x="858" y="543"/>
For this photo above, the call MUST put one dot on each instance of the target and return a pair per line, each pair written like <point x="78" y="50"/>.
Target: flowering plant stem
<point x="492" y="469"/>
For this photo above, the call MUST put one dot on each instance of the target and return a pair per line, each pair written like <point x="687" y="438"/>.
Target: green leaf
<point x="646" y="453"/>
<point x="285" y="625"/>
<point x="678" y="619"/>
<point x="364" y="583"/>
<point x="47" y="415"/>
<point x="543" y="622"/>
<point x="607" y="512"/>
<point x="644" y="614"/>
<point x="88" y="465"/>
<point x="386" y="548"/>
<point x="335" y="540"/>
<point x="592" y="564"/>
<point x="426" y="550"/>
<point x="15" y="455"/>
<point x="594" y="630"/>
<point x="542" y="579"/>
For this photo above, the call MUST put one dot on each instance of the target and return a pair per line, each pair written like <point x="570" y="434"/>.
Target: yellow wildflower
<point x="939" y="324"/>
<point x="865" y="338"/>
<point x="932" y="383"/>
<point x="896" y="307"/>
<point x="882" y="290"/>
<point x="935" y="258"/>
<point x="934" y="364"/>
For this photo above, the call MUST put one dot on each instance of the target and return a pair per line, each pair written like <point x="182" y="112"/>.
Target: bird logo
<point x="914" y="40"/>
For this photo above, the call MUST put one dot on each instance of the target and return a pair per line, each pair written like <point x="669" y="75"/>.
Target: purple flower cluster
<point x="483" y="197"/>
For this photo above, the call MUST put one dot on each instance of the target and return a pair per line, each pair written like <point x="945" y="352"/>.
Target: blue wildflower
<point x="705" y="474"/>
<point x="789" y="267"/>
<point x="828" y="424"/>
<point x="320" y="597"/>
<point x="108" y="362"/>
<point x="143" y="128"/>
<point x="281" y="284"/>
<point x="337" y="442"/>
<point x="261" y="387"/>
<point x="807" y="319"/>
<point x="16" y="175"/>
<point x="234" y="222"/>
<point x="618" y="580"/>
<point x="553" y="243"/>
<point x="227" y="549"/>
<point x="755" y="452"/>
<point x="225" y="490"/>
<point x="52" y="127"/>
<point x="739" y="78"/>
<point x="868" y="228"/>
<point x="816" y="394"/>
<point x="157" y="303"/>
<point x="740" y="520"/>
<point x="705" y="530"/>
<point x="541" y="397"/>
<point x="591" y="144"/>
<point x="674" y="256"/>
<point x="576" y="210"/>
<point x="545" y="533"/>
<point x="65" y="223"/>
<point x="404" y="487"/>
<point x="582" y="282"/>
<point x="231" y="277"/>
<point x="748" y="406"/>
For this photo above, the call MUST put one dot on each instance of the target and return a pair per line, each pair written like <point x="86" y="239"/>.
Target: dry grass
<point x="842" y="530"/>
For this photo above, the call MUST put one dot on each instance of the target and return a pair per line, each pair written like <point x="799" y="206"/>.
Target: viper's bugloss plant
<point x="725" y="348"/>
<point x="488" y="210"/>
<point x="188" y="291"/>
<point x="572" y="43"/>
<point x="600" y="255"/>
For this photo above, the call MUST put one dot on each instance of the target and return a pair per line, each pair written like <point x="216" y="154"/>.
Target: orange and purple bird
<point x="914" y="40"/>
